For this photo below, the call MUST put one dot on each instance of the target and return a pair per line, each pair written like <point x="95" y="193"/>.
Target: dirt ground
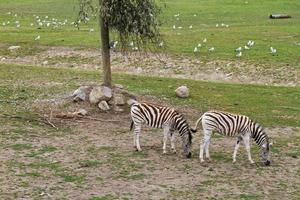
<point x="94" y="159"/>
<point x="160" y="65"/>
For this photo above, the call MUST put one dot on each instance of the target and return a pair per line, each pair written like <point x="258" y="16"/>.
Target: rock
<point x="81" y="94"/>
<point x="119" y="86"/>
<point x="118" y="109"/>
<point x="100" y="93"/>
<point x="14" y="48"/>
<point x="45" y="62"/>
<point x="182" y="91"/>
<point x="107" y="92"/>
<point x="103" y="106"/>
<point x="82" y="112"/>
<point x="119" y="99"/>
<point x="131" y="101"/>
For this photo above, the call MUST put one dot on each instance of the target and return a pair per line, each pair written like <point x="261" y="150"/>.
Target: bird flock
<point x="48" y="22"/>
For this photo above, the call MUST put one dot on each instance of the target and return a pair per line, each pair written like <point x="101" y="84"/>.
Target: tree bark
<point x="104" y="34"/>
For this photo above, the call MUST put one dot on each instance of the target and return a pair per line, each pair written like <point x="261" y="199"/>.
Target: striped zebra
<point x="233" y="125"/>
<point x="161" y="117"/>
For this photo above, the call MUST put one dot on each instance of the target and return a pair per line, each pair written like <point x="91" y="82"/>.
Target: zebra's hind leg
<point x="246" y="140"/>
<point x="172" y="141"/>
<point x="137" y="131"/>
<point x="205" y="144"/>
<point x="236" y="147"/>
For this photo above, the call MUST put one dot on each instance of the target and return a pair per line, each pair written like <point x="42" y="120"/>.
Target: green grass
<point x="246" y="22"/>
<point x="269" y="105"/>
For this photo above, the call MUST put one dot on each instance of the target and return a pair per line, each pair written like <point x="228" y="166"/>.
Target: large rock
<point x="182" y="91"/>
<point x="100" y="93"/>
<point x="103" y="106"/>
<point x="82" y="93"/>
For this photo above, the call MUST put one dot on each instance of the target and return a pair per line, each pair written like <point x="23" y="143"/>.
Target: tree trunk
<point x="104" y="34"/>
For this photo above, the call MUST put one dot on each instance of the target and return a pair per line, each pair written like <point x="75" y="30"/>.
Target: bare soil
<point x="163" y="65"/>
<point x="97" y="159"/>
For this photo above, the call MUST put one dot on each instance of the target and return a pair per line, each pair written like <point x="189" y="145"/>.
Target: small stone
<point x="119" y="99"/>
<point x="107" y="92"/>
<point x="119" y="86"/>
<point x="118" y="109"/>
<point x="103" y="106"/>
<point x="182" y="91"/>
<point x="82" y="112"/>
<point x="13" y="48"/>
<point x="45" y="62"/>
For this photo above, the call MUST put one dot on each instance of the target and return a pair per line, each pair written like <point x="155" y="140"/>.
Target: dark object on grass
<point x="279" y="16"/>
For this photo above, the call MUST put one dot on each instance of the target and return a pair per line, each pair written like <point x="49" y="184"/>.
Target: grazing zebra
<point x="233" y="125"/>
<point x="161" y="117"/>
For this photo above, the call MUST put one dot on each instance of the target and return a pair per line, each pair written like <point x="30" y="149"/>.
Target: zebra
<point x="233" y="125"/>
<point x="161" y="117"/>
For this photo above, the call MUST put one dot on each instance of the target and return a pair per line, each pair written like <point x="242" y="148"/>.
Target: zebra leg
<point x="236" y="147"/>
<point x="246" y="140"/>
<point x="173" y="142"/>
<point x="166" y="132"/>
<point x="205" y="141"/>
<point x="137" y="131"/>
<point x="207" y="150"/>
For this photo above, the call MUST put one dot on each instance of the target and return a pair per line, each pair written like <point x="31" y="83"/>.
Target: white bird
<point x="191" y="26"/>
<point x="48" y="24"/>
<point x="9" y="13"/>
<point x="131" y="44"/>
<point x="217" y="25"/>
<point x="246" y="47"/>
<point x="40" y="24"/>
<point x="195" y="15"/>
<point x="91" y="30"/>
<point x="37" y="17"/>
<point x="239" y="49"/>
<point x="239" y="54"/>
<point x="180" y="27"/>
<point x="46" y="17"/>
<point x="227" y="25"/>
<point x="31" y="24"/>
<point x="37" y="38"/>
<point x="3" y="24"/>
<point x="204" y="40"/>
<point x="17" y="22"/>
<point x="177" y="15"/>
<point x="222" y="24"/>
<point x="161" y="44"/>
<point x="177" y="18"/>
<point x="199" y="45"/>
<point x="18" y="25"/>
<point x="195" y="49"/>
<point x="135" y="48"/>
<point x="211" y="49"/>
<point x="250" y="43"/>
<point x="8" y="22"/>
<point x="273" y="50"/>
<point x="16" y="15"/>
<point x="174" y="27"/>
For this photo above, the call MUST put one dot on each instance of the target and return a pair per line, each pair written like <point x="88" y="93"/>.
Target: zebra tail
<point x="195" y="128"/>
<point x="131" y="125"/>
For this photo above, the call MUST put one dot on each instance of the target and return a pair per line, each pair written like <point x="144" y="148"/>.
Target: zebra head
<point x="265" y="148"/>
<point x="187" y="144"/>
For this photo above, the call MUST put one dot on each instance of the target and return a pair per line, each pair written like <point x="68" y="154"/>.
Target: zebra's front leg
<point x="246" y="140"/>
<point x="173" y="142"/>
<point x="236" y="147"/>
<point x="137" y="131"/>
<point x="166" y="132"/>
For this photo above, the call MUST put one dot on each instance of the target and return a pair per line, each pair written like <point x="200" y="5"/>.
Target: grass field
<point x="95" y="160"/>
<point x="247" y="21"/>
